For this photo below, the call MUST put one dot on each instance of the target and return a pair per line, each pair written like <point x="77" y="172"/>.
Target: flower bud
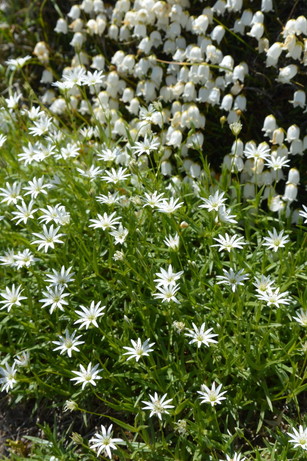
<point x="77" y="438"/>
<point x="223" y="120"/>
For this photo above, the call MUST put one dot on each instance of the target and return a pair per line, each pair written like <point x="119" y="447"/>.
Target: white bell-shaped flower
<point x="258" y="17"/>
<point x="234" y="5"/>
<point x="166" y="168"/>
<point x="219" y="7"/>
<point x="189" y="93"/>
<point x="238" y="27"/>
<point x="61" y="26"/>
<point x="173" y="137"/>
<point x="256" y="31"/>
<point x="218" y="33"/>
<point x="266" y="5"/>
<point x="214" y="96"/>
<point x="113" y="32"/>
<point x="227" y="63"/>
<point x="278" y="136"/>
<point x="227" y="102"/>
<point x="297" y="147"/>
<point x="301" y="26"/>
<point x="239" y="72"/>
<point x="293" y="176"/>
<point x="74" y="12"/>
<point x="273" y="53"/>
<point x="290" y="193"/>
<point x="240" y="102"/>
<point x="287" y="73"/>
<point x="276" y="203"/>
<point x="247" y="17"/>
<point x="200" y="24"/>
<point x="293" y="133"/>
<point x="269" y="125"/>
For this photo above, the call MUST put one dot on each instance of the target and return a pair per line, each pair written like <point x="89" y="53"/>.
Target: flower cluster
<point x="197" y="74"/>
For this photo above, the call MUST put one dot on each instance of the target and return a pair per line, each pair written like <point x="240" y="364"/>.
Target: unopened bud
<point x="223" y="120"/>
<point x="77" y="438"/>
